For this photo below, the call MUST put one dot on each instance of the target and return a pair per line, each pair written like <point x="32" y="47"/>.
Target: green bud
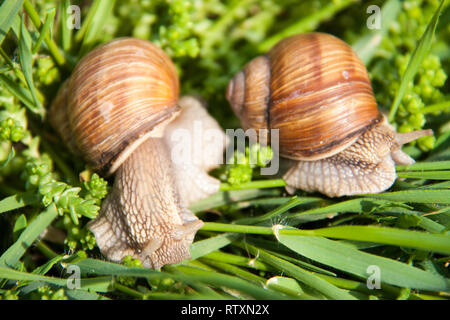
<point x="59" y="295"/>
<point x="414" y="105"/>
<point x="154" y="283"/>
<point x="417" y="120"/>
<point x="17" y="133"/>
<point x="5" y="133"/>
<point x="405" y="128"/>
<point x="167" y="282"/>
<point x="439" y="78"/>
<point x="33" y="180"/>
<point x="239" y="174"/>
<point x="426" y="143"/>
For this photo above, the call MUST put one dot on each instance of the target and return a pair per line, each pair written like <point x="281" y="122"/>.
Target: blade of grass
<point x="201" y="288"/>
<point x="11" y="155"/>
<point x="392" y="236"/>
<point x="189" y="275"/>
<point x="366" y="45"/>
<point x="84" y="295"/>
<point x="7" y="60"/>
<point x="45" y="249"/>
<point x="99" y="267"/>
<point x="225" y="227"/>
<point x="26" y="61"/>
<point x="237" y="260"/>
<point x="415" y="218"/>
<point x="43" y="269"/>
<point x="81" y="33"/>
<point x="298" y="273"/>
<point x="287" y="285"/>
<point x="274" y="248"/>
<point x="275" y="201"/>
<point x="438" y="107"/>
<point x="425" y="166"/>
<point x="74" y="294"/>
<point x="306" y="24"/>
<point x="431" y="225"/>
<point x="429" y="175"/>
<point x="8" y="273"/>
<point x="12" y="256"/>
<point x="20" y="224"/>
<point x="66" y="32"/>
<point x="257" y="184"/>
<point x="95" y="22"/>
<point x="442" y="217"/>
<point x="198" y="264"/>
<point x="8" y="12"/>
<point x="420" y="52"/>
<point x="17" y="91"/>
<point x="225" y="197"/>
<point x="441" y="150"/>
<point x="234" y="270"/>
<point x="203" y="247"/>
<point x="98" y="284"/>
<point x="415" y="196"/>
<point x="306" y="266"/>
<point x="347" y="259"/>
<point x="46" y="28"/>
<point x="439" y="185"/>
<point x="388" y="291"/>
<point x="223" y="280"/>
<point x="258" y="203"/>
<point x="18" y="201"/>
<point x="353" y="205"/>
<point x="293" y="202"/>
<point x="55" y="52"/>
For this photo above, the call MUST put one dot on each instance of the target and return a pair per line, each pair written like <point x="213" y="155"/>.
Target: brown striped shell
<point x="313" y="88"/>
<point x="119" y="94"/>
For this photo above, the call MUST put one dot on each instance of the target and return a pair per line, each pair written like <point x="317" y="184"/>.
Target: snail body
<point x="113" y="111"/>
<point x="315" y="90"/>
<point x="158" y="233"/>
<point x="196" y="142"/>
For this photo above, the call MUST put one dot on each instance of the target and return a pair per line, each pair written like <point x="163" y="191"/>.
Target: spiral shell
<point x="119" y="94"/>
<point x="313" y="88"/>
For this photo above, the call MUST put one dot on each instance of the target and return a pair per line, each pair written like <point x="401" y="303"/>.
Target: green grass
<point x="257" y="242"/>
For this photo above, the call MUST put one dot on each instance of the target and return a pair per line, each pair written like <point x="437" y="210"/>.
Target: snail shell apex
<point x="313" y="88"/>
<point x="119" y="94"/>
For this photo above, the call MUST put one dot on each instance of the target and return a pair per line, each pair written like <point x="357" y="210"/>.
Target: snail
<point x="315" y="90"/>
<point x="114" y="110"/>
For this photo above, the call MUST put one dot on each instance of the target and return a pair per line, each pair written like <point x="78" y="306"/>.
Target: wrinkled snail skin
<point x="366" y="166"/>
<point x="315" y="90"/>
<point x="113" y="111"/>
<point x="143" y="215"/>
<point x="197" y="143"/>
